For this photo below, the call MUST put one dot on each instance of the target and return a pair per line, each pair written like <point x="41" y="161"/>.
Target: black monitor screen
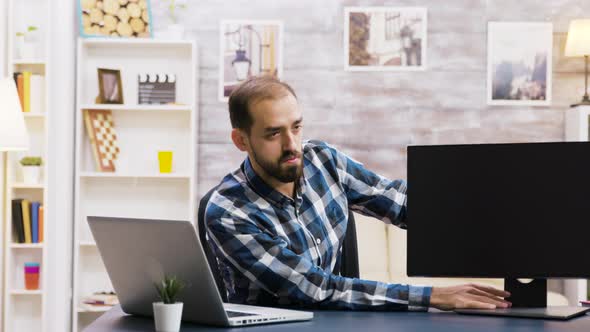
<point x="499" y="210"/>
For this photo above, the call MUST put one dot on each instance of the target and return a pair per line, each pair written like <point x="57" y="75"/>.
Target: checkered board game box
<point x="103" y="138"/>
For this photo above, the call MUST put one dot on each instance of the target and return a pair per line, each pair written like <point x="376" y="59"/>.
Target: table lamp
<point x="578" y="44"/>
<point x="13" y="133"/>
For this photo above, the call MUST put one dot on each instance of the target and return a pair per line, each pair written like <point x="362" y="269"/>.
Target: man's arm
<point x="266" y="261"/>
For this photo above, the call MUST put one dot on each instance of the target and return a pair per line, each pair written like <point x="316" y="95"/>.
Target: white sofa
<point x="382" y="257"/>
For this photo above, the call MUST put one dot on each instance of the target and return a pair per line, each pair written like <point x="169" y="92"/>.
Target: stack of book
<point x="100" y="300"/>
<point x="27" y="221"/>
<point x="31" y="91"/>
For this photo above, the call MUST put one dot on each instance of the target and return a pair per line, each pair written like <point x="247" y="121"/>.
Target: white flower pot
<point x="176" y="32"/>
<point x="167" y="316"/>
<point x="31" y="174"/>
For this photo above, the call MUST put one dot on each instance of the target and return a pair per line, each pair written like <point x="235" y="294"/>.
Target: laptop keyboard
<point x="232" y="314"/>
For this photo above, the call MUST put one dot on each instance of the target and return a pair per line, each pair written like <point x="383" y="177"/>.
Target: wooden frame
<point x="106" y="94"/>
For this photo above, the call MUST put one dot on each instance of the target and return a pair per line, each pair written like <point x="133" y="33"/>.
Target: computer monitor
<point x="500" y="211"/>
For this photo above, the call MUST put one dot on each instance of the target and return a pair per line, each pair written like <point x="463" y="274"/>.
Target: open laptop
<point x="138" y="253"/>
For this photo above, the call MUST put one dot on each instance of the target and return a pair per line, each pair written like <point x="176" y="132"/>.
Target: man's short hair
<point x="250" y="92"/>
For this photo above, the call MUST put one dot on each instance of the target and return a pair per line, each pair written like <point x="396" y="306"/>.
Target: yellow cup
<point x="165" y="160"/>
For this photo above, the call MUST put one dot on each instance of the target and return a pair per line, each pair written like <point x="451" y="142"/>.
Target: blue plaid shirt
<point x="277" y="251"/>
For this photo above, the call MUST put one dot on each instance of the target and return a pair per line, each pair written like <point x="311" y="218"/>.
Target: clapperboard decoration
<point x="157" y="88"/>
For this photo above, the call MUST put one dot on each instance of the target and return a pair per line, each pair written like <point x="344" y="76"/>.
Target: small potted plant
<point x="168" y="312"/>
<point x="25" y="43"/>
<point x="175" y="30"/>
<point x="31" y="167"/>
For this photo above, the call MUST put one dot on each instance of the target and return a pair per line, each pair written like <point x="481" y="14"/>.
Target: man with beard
<point x="276" y="223"/>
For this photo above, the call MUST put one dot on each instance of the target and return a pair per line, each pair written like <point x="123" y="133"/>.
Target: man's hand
<point x="470" y="296"/>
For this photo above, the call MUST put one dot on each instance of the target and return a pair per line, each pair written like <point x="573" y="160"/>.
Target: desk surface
<point x="344" y="321"/>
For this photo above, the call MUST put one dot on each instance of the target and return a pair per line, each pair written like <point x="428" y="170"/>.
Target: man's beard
<point x="283" y="173"/>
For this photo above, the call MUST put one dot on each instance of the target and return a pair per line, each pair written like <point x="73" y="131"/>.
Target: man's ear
<point x="240" y="139"/>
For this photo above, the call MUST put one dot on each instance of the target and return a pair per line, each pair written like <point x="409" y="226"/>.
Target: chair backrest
<point x="349" y="261"/>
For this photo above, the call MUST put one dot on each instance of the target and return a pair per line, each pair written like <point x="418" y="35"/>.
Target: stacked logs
<point x="117" y="18"/>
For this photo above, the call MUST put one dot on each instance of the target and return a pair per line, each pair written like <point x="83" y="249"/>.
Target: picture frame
<point x="111" y="19"/>
<point x="110" y="87"/>
<point x="385" y="38"/>
<point x="248" y="48"/>
<point x="519" y="69"/>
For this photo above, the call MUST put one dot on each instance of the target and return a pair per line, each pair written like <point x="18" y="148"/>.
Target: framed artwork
<point x="110" y="88"/>
<point x="115" y="18"/>
<point x="519" y="63"/>
<point x="385" y="38"/>
<point x="248" y="48"/>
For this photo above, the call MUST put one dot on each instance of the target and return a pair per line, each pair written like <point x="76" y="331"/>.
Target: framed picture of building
<point x="248" y="48"/>
<point x="519" y="63"/>
<point x="385" y="38"/>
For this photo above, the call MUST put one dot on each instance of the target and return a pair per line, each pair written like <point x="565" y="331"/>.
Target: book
<point x="41" y="226"/>
<point x="20" y="85"/>
<point x="37" y="94"/>
<point x="17" y="221"/>
<point x="35" y="221"/>
<point x="26" y="91"/>
<point x="26" y="220"/>
<point x="585" y="303"/>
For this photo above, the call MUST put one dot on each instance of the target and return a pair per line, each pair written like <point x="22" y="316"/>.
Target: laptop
<point x="138" y="253"/>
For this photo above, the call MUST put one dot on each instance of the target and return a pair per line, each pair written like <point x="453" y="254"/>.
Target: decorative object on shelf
<point x="156" y="88"/>
<point x="168" y="313"/>
<point x="165" y="161"/>
<point x="115" y="18"/>
<point x="248" y="48"/>
<point x="101" y="299"/>
<point x="110" y="88"/>
<point x="578" y="44"/>
<point x="26" y="43"/>
<point x="175" y="31"/>
<point x="103" y="138"/>
<point x="32" y="271"/>
<point x="385" y="38"/>
<point x="13" y="133"/>
<point x="519" y="63"/>
<point x="31" y="167"/>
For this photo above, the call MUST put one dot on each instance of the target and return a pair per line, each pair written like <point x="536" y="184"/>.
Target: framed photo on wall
<point x="248" y="48"/>
<point x="114" y="18"/>
<point x="385" y="38"/>
<point x="519" y="63"/>
<point x="110" y="88"/>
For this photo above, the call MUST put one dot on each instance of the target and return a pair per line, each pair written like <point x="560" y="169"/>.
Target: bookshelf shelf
<point x="136" y="189"/>
<point x="139" y="176"/>
<point x="20" y="185"/>
<point x="34" y="116"/>
<point x="27" y="245"/>
<point x="26" y="310"/>
<point x="150" y="108"/>
<point x="29" y="62"/>
<point x="26" y="292"/>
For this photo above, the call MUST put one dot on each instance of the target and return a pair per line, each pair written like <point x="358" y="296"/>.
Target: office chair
<point x="349" y="261"/>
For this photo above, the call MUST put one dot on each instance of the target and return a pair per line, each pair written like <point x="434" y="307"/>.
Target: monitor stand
<point x="529" y="300"/>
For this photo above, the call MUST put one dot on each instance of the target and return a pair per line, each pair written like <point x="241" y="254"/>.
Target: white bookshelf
<point x="136" y="188"/>
<point x="577" y="122"/>
<point x="25" y="310"/>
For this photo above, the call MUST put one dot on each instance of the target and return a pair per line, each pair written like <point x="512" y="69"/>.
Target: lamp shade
<point x="578" y="38"/>
<point x="13" y="133"/>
